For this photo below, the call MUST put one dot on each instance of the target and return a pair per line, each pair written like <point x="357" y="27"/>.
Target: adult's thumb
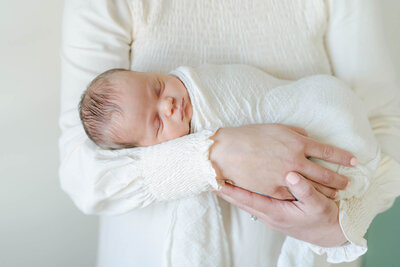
<point x="301" y="189"/>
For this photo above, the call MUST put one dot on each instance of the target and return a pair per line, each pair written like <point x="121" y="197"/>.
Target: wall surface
<point x="39" y="226"/>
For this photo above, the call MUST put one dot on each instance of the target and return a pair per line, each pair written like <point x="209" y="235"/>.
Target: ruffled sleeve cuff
<point x="356" y="214"/>
<point x="179" y="168"/>
<point x="353" y="230"/>
<point x="344" y="253"/>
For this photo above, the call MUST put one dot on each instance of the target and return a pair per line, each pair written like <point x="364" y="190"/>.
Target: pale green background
<point x="384" y="239"/>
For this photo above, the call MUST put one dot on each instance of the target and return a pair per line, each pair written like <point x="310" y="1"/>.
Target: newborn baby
<point x="122" y="109"/>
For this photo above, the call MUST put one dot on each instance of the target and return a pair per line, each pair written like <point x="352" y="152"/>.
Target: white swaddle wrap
<point x="233" y="95"/>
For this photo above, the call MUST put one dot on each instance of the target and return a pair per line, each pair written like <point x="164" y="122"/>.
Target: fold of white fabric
<point x="197" y="236"/>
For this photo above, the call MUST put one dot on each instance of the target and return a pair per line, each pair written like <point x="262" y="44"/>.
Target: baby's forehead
<point x="116" y="88"/>
<point x="126" y="80"/>
<point x="118" y="79"/>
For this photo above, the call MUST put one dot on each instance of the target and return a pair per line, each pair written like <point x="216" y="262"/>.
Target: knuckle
<point x="320" y="209"/>
<point x="325" y="210"/>
<point x="297" y="164"/>
<point x="289" y="161"/>
<point x="327" y="152"/>
<point x="307" y="191"/>
<point x="299" y="144"/>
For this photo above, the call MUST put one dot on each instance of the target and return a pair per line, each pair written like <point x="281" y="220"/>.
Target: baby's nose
<point x="167" y="106"/>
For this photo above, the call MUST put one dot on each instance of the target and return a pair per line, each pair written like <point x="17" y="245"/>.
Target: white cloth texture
<point x="330" y="112"/>
<point x="288" y="39"/>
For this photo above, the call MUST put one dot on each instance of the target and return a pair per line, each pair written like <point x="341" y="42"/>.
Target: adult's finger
<point x="326" y="191"/>
<point x="253" y="203"/>
<point x="323" y="176"/>
<point x="297" y="130"/>
<point x="330" y="153"/>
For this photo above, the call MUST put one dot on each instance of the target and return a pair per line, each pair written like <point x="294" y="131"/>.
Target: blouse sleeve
<point x="356" y="46"/>
<point x="96" y="36"/>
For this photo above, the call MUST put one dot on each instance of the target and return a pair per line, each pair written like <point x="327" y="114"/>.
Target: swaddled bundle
<point x="233" y="95"/>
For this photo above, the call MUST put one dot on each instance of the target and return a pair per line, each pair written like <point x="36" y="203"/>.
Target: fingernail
<point x="353" y="161"/>
<point x="292" y="178"/>
<point x="348" y="185"/>
<point x="335" y="195"/>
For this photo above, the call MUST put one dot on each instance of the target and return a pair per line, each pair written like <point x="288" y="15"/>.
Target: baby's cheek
<point x="176" y="131"/>
<point x="183" y="130"/>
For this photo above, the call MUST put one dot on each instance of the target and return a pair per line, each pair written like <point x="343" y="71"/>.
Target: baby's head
<point x="122" y="109"/>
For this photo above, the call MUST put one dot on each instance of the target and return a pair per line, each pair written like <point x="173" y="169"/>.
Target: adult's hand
<point x="258" y="157"/>
<point x="312" y="218"/>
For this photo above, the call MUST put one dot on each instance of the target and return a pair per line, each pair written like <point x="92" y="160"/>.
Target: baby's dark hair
<point x="100" y="112"/>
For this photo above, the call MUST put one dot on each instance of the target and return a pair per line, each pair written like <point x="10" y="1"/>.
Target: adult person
<point x="282" y="37"/>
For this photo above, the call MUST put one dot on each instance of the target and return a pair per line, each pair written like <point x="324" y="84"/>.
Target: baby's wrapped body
<point x="233" y="95"/>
